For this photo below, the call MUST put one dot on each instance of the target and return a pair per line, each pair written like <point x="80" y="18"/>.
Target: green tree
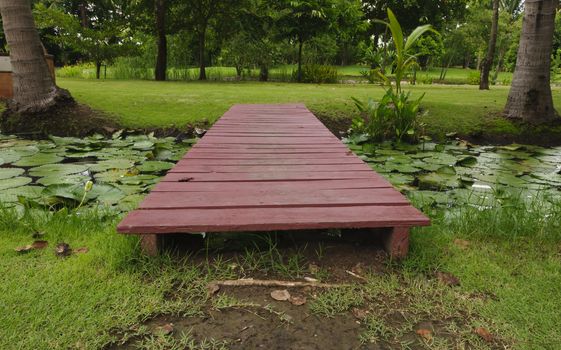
<point x="488" y="60"/>
<point x="300" y="21"/>
<point x="204" y="16"/>
<point x="101" y="31"/>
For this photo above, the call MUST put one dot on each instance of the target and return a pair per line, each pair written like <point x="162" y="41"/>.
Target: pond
<point x="53" y="173"/>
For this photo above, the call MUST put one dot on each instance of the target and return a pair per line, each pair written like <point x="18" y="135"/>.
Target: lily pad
<point x="57" y="169"/>
<point x="143" y="145"/>
<point x="14" y="182"/>
<point x="39" y="159"/>
<point x="439" y="180"/>
<point x="106" y="194"/>
<point x="13" y="194"/>
<point x="6" y="173"/>
<point x="109" y="164"/>
<point x="154" y="166"/>
<point x="63" y="179"/>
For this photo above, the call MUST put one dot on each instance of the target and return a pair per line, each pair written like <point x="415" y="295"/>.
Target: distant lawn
<point x="147" y="104"/>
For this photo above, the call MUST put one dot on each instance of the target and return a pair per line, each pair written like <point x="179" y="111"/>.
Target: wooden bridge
<point x="268" y="168"/>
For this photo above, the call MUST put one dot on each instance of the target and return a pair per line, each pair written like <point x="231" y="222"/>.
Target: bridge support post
<point x="150" y="244"/>
<point x="396" y="242"/>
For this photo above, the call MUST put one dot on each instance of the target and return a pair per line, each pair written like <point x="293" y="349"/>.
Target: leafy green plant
<point x="404" y="59"/>
<point x="395" y="116"/>
<point x="473" y="78"/>
<point x="318" y="74"/>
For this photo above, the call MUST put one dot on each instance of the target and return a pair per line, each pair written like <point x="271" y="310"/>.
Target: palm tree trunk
<point x="34" y="87"/>
<point x="488" y="61"/>
<point x="162" y="55"/>
<point x="530" y="97"/>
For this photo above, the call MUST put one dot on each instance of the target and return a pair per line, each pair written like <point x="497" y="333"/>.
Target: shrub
<point x="318" y="74"/>
<point x="371" y="75"/>
<point x="395" y="116"/>
<point x="474" y="78"/>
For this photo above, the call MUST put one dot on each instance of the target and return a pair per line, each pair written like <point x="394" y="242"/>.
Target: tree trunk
<point x="488" y="60"/>
<point x="162" y="55"/>
<point x="83" y="15"/>
<point x="300" y="44"/>
<point x="530" y="98"/>
<point x="97" y="70"/>
<point x="202" y="66"/>
<point x="34" y="87"/>
<point x="263" y="73"/>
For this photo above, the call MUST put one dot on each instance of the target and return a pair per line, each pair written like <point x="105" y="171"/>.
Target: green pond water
<point x="53" y="173"/>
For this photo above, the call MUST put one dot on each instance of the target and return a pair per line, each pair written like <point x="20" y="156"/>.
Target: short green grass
<point x="509" y="272"/>
<point x="147" y="104"/>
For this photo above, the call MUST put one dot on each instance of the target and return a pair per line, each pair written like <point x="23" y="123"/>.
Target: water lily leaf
<point x="153" y="166"/>
<point x="25" y="151"/>
<point x="139" y="179"/>
<point x="9" y="156"/>
<point x="111" y="176"/>
<point x="39" y="159"/>
<point x="399" y="179"/>
<point x="143" y="145"/>
<point x="13" y="194"/>
<point x="466" y="161"/>
<point x="130" y="202"/>
<point x="14" y="182"/>
<point x="106" y="194"/>
<point x="63" y="179"/>
<point x="438" y="181"/>
<point x="441" y="158"/>
<point x="57" y="169"/>
<point x="109" y="164"/>
<point x="6" y="173"/>
<point x="401" y="168"/>
<point x="72" y="192"/>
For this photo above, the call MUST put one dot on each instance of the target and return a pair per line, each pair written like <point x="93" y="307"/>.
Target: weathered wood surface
<point x="272" y="167"/>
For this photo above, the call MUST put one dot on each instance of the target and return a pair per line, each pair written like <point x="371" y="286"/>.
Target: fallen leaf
<point x="461" y="243"/>
<point x="484" y="334"/>
<point x="81" y="250"/>
<point x="358" y="269"/>
<point x="280" y="295"/>
<point x="212" y="288"/>
<point x="448" y="279"/>
<point x="39" y="244"/>
<point x="426" y="334"/>
<point x="360" y="314"/>
<point x="24" y="249"/>
<point x="297" y="300"/>
<point x="166" y="329"/>
<point x="62" y="250"/>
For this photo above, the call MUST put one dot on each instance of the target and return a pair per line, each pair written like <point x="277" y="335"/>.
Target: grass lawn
<point x="508" y="265"/>
<point x="147" y="104"/>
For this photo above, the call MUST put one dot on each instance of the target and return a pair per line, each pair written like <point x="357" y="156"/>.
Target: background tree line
<point x="161" y="34"/>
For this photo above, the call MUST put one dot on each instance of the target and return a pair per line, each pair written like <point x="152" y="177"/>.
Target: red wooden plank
<point x="226" y="154"/>
<point x="272" y="176"/>
<point x="268" y="168"/>
<point x="273" y="147"/>
<point x="190" y="161"/>
<point x="269" y="219"/>
<point x="277" y="140"/>
<point x="195" y="186"/>
<point x="273" y="197"/>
